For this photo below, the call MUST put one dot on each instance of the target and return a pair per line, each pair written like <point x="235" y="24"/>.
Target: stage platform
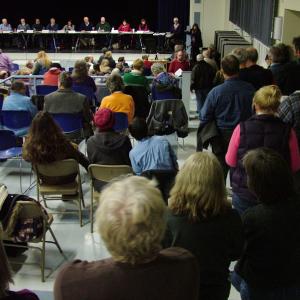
<point x="67" y="59"/>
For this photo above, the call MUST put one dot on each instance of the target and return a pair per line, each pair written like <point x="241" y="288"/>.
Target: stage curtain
<point x="168" y="9"/>
<point x="255" y="17"/>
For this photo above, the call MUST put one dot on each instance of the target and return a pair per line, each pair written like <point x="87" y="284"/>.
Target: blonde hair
<point x="138" y="64"/>
<point x="199" y="188"/>
<point x="43" y="58"/>
<point x="268" y="98"/>
<point x="104" y="66"/>
<point x="131" y="219"/>
<point x="108" y="54"/>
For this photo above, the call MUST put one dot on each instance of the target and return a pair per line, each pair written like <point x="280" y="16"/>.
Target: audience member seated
<point x="202" y="221"/>
<point x="227" y="105"/>
<point x="151" y="152"/>
<point x="42" y="63"/>
<point x="126" y="67"/>
<point x="164" y="85"/>
<point x="147" y="65"/>
<point x="6" y="279"/>
<point x="202" y="80"/>
<point x="253" y="73"/>
<point x="51" y="76"/>
<point x="107" y="54"/>
<point x="180" y="62"/>
<point x="264" y="129"/>
<point x="65" y="100"/>
<point x="104" y="68"/>
<point x="26" y="70"/>
<point x="118" y="101"/>
<point x="286" y="71"/>
<point x="80" y="76"/>
<point x="269" y="267"/>
<point x="136" y="77"/>
<point x="17" y="100"/>
<point x="6" y="64"/>
<point x="131" y="221"/>
<point x="107" y="147"/>
<point x="46" y="144"/>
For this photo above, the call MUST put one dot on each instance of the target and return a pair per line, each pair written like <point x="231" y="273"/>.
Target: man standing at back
<point x="65" y="100"/>
<point x="227" y="105"/>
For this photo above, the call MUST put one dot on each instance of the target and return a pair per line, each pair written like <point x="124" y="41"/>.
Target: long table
<point x="54" y="35"/>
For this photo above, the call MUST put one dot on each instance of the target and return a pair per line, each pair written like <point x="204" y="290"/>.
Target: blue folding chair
<point x="69" y="123"/>
<point x="121" y="122"/>
<point x="15" y="67"/>
<point x="17" y="121"/>
<point x="10" y="150"/>
<point x="86" y="91"/>
<point x="44" y="90"/>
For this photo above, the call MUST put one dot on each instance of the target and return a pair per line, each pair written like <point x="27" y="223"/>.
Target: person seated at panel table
<point x="69" y="26"/>
<point x="52" y="26"/>
<point x="136" y="77"/>
<point x="164" y="85"/>
<point x="131" y="221"/>
<point x="37" y="39"/>
<point x="4" y="26"/>
<point x="69" y="41"/>
<point x="143" y="26"/>
<point x="42" y="63"/>
<point x="7" y="278"/>
<point x="151" y="152"/>
<point x="22" y="40"/>
<point x="37" y="26"/>
<point x="51" y="76"/>
<point x="125" y="40"/>
<point x="180" y="62"/>
<point x="17" y="100"/>
<point x="118" y="101"/>
<point x="103" y="26"/>
<point x="86" y="26"/>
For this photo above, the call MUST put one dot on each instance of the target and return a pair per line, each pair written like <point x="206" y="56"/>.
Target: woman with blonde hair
<point x="6" y="279"/>
<point x="264" y="129"/>
<point x="42" y="63"/>
<point x="201" y="220"/>
<point x="104" y="67"/>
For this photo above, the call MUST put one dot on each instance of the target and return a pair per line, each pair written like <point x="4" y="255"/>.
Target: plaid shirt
<point x="289" y="112"/>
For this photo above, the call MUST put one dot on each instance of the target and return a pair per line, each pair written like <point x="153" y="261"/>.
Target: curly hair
<point x="131" y="220"/>
<point x="45" y="140"/>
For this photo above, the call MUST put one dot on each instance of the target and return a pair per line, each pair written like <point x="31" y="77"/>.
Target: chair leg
<point x="92" y="210"/>
<point x="43" y="256"/>
<point x="54" y="238"/>
<point x="20" y="167"/>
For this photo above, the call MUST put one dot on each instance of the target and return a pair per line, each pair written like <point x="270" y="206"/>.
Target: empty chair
<point x="104" y="173"/>
<point x="67" y="168"/>
<point x="44" y="90"/>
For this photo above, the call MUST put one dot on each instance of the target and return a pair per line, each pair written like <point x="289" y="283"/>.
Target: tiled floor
<point x="76" y="241"/>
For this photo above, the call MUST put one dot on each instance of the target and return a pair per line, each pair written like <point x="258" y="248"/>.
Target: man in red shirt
<point x="180" y="62"/>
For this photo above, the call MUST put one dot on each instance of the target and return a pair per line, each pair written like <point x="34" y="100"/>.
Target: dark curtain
<point x="255" y="17"/>
<point x="168" y="9"/>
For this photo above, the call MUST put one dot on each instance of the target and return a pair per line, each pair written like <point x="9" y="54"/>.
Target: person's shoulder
<point x="177" y="254"/>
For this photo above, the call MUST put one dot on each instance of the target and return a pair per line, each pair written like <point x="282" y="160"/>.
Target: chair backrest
<point x="140" y="97"/>
<point x="108" y="172"/>
<point x="16" y="119"/>
<point x="58" y="168"/>
<point x="7" y="139"/>
<point x="15" y="67"/>
<point x="86" y="91"/>
<point x="68" y="122"/>
<point x="121" y="121"/>
<point x="45" y="89"/>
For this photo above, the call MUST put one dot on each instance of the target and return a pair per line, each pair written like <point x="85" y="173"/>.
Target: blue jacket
<point x="228" y="104"/>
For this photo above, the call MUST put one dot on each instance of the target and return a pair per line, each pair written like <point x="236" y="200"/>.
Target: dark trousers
<point x="220" y="146"/>
<point x="214" y="292"/>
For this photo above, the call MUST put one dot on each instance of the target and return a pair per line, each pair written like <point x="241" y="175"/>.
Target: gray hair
<point x="157" y="68"/>
<point x="115" y="83"/>
<point x="241" y="54"/>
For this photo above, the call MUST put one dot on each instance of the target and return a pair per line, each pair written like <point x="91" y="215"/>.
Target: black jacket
<point x="202" y="77"/>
